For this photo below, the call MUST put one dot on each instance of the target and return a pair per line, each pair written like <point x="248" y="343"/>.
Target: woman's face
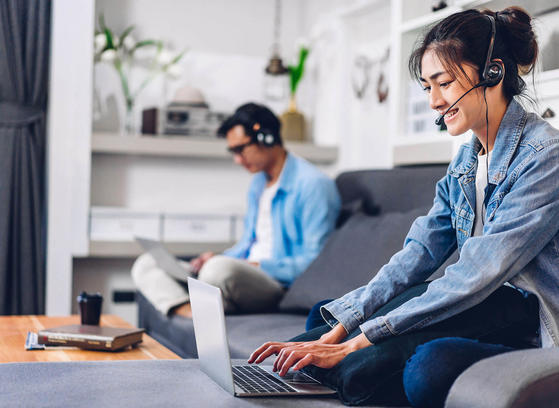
<point x="443" y="89"/>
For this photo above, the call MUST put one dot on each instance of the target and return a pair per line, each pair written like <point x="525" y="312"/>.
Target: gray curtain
<point x="24" y="58"/>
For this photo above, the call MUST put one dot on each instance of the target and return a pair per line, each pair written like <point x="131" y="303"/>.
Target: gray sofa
<point x="378" y="207"/>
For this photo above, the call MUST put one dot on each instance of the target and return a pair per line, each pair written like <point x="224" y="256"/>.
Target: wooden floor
<point x="13" y="332"/>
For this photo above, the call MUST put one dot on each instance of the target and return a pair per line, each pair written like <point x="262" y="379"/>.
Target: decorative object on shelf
<point x="293" y="121"/>
<point x="275" y="80"/>
<point x="382" y="83"/>
<point x="548" y="113"/>
<point x="187" y="114"/>
<point x="437" y="5"/>
<point x="121" y="53"/>
<point x="361" y="77"/>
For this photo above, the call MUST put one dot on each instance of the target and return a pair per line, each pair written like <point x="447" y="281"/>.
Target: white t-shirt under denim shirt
<point x="262" y="246"/>
<point x="481" y="185"/>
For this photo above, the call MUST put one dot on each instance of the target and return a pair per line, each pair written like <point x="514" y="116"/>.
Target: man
<point x="292" y="208"/>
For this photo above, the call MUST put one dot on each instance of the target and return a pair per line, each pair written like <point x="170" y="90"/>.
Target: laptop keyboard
<point x="254" y="379"/>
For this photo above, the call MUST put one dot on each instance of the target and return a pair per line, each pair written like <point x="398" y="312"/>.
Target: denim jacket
<point x="304" y="213"/>
<point x="520" y="241"/>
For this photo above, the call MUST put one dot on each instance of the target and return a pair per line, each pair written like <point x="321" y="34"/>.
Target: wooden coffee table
<point x="13" y="331"/>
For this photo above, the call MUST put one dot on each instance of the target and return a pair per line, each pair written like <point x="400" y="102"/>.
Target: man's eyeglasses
<point x="239" y="148"/>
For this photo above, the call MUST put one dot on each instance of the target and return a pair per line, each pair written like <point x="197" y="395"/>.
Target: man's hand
<point x="197" y="263"/>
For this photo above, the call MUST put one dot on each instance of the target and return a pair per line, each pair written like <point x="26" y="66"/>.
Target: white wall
<point x="240" y="27"/>
<point x="68" y="155"/>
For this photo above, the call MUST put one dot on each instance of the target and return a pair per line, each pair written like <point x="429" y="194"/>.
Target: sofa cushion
<point x="138" y="384"/>
<point x="351" y="257"/>
<point x="399" y="189"/>
<point x="244" y="332"/>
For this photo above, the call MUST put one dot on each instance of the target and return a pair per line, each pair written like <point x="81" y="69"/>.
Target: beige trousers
<point x="245" y="287"/>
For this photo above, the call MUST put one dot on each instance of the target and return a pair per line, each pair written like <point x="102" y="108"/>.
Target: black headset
<point x="493" y="71"/>
<point x="258" y="134"/>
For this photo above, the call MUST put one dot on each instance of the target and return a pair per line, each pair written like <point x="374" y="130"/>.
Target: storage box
<point x="198" y="228"/>
<point x="120" y="224"/>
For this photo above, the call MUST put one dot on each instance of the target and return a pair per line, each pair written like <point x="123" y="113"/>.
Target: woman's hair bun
<point x="520" y="37"/>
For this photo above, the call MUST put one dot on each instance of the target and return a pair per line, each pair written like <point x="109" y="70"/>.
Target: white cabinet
<point x="115" y="224"/>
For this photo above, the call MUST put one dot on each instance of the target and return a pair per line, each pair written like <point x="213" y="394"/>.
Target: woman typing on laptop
<point x="497" y="205"/>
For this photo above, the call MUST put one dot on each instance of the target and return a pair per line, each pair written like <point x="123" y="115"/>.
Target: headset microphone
<point x="440" y="119"/>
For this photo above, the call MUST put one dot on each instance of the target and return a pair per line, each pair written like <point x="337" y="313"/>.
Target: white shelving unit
<point x="409" y="19"/>
<point x="173" y="147"/>
<point x="110" y="143"/>
<point x="120" y="249"/>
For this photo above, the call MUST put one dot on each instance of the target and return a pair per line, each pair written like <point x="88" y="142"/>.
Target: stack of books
<point x="90" y="337"/>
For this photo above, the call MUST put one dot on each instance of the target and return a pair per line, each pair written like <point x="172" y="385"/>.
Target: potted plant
<point x="122" y="53"/>
<point x="293" y="121"/>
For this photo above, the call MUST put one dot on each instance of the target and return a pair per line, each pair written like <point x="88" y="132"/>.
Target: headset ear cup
<point x="493" y="74"/>
<point x="266" y="138"/>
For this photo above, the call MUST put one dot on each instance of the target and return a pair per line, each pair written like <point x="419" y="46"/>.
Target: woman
<point x="499" y="209"/>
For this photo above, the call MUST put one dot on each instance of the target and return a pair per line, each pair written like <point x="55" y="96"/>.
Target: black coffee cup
<point x="90" y="308"/>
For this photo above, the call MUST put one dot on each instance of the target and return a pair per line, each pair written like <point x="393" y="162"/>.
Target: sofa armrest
<point x="525" y="378"/>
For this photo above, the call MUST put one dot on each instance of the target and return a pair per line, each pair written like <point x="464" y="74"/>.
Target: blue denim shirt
<point x="304" y="213"/>
<point x="520" y="241"/>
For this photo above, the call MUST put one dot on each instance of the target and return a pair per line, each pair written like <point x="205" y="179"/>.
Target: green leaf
<point x="177" y="58"/>
<point x="145" y="43"/>
<point x="109" y="35"/>
<point x="296" y="72"/>
<point x="125" y="33"/>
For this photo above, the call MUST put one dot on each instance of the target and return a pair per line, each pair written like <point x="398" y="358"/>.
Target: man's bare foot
<point x="184" y="310"/>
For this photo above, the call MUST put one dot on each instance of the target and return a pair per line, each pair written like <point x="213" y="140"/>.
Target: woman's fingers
<point x="293" y="357"/>
<point x="274" y="349"/>
<point x="262" y="352"/>
<point x="282" y="355"/>
<point x="305" y="361"/>
<point x="266" y="350"/>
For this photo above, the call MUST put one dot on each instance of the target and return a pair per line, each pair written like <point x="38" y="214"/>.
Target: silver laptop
<point x="165" y="260"/>
<point x="213" y="353"/>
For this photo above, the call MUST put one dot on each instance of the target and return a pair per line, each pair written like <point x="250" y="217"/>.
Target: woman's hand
<point x="325" y="352"/>
<point x="272" y="347"/>
<point x="322" y="355"/>
<point x="335" y="335"/>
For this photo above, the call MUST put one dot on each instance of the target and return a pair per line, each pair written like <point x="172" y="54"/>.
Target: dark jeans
<point x="373" y="375"/>
<point x="434" y="367"/>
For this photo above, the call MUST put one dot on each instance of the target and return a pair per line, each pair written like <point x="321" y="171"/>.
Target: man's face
<point x="251" y="156"/>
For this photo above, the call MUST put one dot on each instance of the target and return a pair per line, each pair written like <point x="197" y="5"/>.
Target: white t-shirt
<point x="262" y="246"/>
<point x="481" y="184"/>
